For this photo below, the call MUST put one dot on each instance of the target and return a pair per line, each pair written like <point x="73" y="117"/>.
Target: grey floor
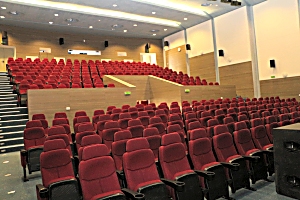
<point x="12" y="187"/>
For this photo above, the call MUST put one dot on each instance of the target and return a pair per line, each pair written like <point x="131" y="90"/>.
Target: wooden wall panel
<point x="240" y="75"/>
<point x="164" y="90"/>
<point x="141" y="83"/>
<point x="107" y="79"/>
<point x="87" y="99"/>
<point x="28" y="42"/>
<point x="176" y="60"/>
<point x="282" y="87"/>
<point x="207" y="92"/>
<point x="203" y="66"/>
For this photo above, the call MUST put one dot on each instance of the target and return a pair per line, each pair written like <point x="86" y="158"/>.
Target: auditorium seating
<point x="247" y="157"/>
<point x="58" y="178"/>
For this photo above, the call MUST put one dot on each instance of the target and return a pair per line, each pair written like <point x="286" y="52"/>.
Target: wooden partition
<point x="207" y="92"/>
<point x="164" y="91"/>
<point x="142" y="84"/>
<point x="87" y="99"/>
<point x="240" y="75"/>
<point x="151" y="88"/>
<point x="282" y="87"/>
<point x="204" y="66"/>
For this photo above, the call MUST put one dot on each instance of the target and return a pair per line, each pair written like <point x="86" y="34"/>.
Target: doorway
<point x="5" y="53"/>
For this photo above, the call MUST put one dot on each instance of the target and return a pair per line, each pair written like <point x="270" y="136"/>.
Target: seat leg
<point x="24" y="178"/>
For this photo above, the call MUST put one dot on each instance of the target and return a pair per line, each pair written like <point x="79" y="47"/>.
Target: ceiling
<point x="134" y="18"/>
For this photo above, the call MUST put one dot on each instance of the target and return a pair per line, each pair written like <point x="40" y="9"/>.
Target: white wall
<point x="277" y="35"/>
<point x="200" y="38"/>
<point x="232" y="35"/>
<point x="175" y="40"/>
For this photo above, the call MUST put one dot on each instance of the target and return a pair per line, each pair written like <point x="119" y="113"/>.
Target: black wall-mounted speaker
<point x="105" y="43"/>
<point x="221" y="53"/>
<point x="272" y="64"/>
<point x="166" y="43"/>
<point x="188" y="47"/>
<point x="61" y="41"/>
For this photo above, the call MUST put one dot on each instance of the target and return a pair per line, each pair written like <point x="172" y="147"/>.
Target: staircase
<point x="12" y="118"/>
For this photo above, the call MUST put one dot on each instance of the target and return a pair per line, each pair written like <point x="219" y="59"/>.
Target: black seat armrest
<point x="120" y="174"/>
<point x="177" y="185"/>
<point x="24" y="152"/>
<point x="252" y="158"/>
<point x="43" y="192"/>
<point x="206" y="174"/>
<point x="270" y="151"/>
<point x="132" y="194"/>
<point x="233" y="166"/>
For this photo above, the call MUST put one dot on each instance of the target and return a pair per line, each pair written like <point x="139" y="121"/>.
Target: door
<point x="5" y="53"/>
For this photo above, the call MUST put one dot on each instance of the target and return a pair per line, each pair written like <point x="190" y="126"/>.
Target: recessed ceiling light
<point x="153" y="13"/>
<point x="154" y="34"/>
<point x="56" y="15"/>
<point x="2" y="17"/>
<point x="185" y="18"/>
<point x="216" y="5"/>
<point x="115" y="5"/>
<point x="99" y="20"/>
<point x="206" y="4"/>
<point x="83" y="40"/>
<point x="134" y="24"/>
<point x="69" y="24"/>
<point x="3" y="8"/>
<point x="50" y="22"/>
<point x="117" y="26"/>
<point x="125" y="31"/>
<point x="112" y="29"/>
<point x="90" y="26"/>
<point x="154" y="30"/>
<point x="13" y="13"/>
<point x="165" y="29"/>
<point x="72" y="20"/>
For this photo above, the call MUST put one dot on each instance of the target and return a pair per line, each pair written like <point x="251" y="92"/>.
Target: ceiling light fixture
<point x="165" y="29"/>
<point x="56" y="15"/>
<point x="89" y="10"/>
<point x="69" y="24"/>
<point x="115" y="5"/>
<point x="134" y="24"/>
<point x="3" y="8"/>
<point x="13" y="12"/>
<point x="175" y="6"/>
<point x="99" y="20"/>
<point x="154" y="34"/>
<point x="90" y="26"/>
<point x="153" y="13"/>
<point x="72" y="20"/>
<point x="206" y="4"/>
<point x="2" y="17"/>
<point x="125" y="31"/>
<point x="50" y="22"/>
<point x="185" y="18"/>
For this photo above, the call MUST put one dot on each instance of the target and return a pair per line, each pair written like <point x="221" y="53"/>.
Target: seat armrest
<point x="268" y="151"/>
<point x="120" y="174"/>
<point x="206" y="174"/>
<point x="233" y="166"/>
<point x="252" y="158"/>
<point x="23" y="152"/>
<point x="132" y="194"/>
<point x="42" y="191"/>
<point x="177" y="185"/>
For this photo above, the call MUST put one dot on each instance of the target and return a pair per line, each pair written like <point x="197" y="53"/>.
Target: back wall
<point x="28" y="42"/>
